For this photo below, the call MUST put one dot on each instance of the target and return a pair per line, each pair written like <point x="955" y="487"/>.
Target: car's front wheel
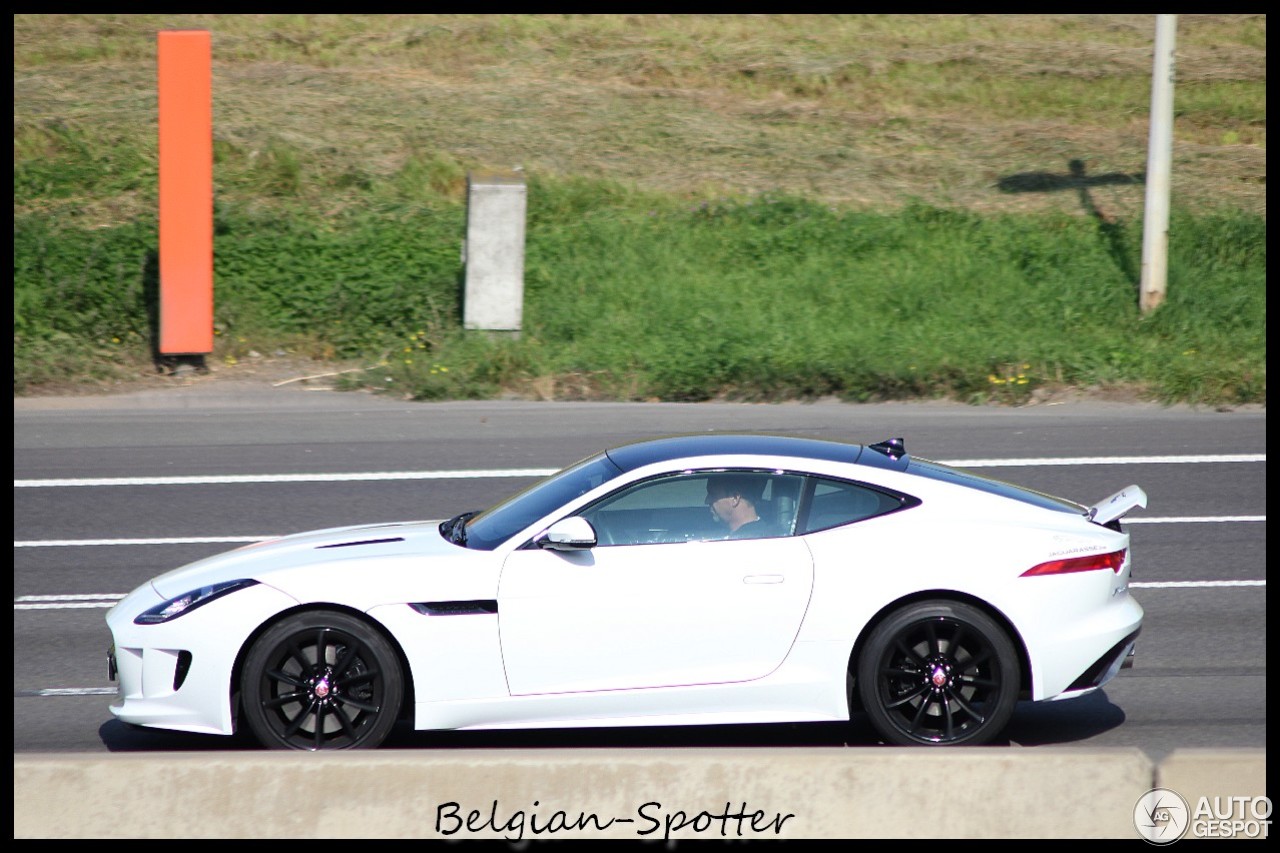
<point x="938" y="672"/>
<point x="321" y="680"/>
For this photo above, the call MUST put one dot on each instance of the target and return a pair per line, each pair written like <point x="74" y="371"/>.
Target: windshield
<point x="496" y="525"/>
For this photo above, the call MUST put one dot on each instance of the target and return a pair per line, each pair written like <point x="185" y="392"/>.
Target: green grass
<point x="751" y="207"/>
<point x="630" y="296"/>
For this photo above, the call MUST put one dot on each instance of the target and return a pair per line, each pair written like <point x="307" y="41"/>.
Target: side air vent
<point x="362" y="542"/>
<point x="456" y="608"/>
<point x="180" y="669"/>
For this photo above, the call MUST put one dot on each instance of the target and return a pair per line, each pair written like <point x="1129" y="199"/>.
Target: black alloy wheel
<point x="938" y="672"/>
<point x="321" y="680"/>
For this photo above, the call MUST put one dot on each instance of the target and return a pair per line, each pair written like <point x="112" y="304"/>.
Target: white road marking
<point x="479" y="473"/>
<point x="108" y="600"/>
<point x="1104" y="460"/>
<point x="67" y="602"/>
<point x="372" y="476"/>
<point x="114" y="596"/>
<point x="188" y="540"/>
<point x="69" y="691"/>
<point x="1193" y="519"/>
<point x="1191" y="584"/>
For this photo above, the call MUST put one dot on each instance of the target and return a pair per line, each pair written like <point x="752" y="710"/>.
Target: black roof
<point x="890" y="454"/>
<point x="641" y="453"/>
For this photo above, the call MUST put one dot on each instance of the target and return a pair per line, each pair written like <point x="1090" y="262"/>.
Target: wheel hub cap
<point x="322" y="688"/>
<point x="939" y="676"/>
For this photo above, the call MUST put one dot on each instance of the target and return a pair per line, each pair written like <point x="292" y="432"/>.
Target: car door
<point x="663" y="600"/>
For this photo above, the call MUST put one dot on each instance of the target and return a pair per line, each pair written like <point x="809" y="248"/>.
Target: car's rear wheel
<point x="321" y="680"/>
<point x="938" y="672"/>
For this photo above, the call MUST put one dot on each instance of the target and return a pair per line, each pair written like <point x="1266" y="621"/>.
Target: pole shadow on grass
<point x="151" y="299"/>
<point x="1078" y="180"/>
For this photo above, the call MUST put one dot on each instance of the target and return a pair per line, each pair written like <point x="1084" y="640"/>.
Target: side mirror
<point x="567" y="534"/>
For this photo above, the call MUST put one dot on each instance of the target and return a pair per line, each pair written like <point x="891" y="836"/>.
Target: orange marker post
<point x="184" y="59"/>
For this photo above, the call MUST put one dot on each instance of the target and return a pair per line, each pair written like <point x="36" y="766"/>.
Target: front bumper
<point x="179" y="675"/>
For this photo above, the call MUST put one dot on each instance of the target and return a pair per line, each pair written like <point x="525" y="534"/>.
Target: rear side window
<point x="833" y="503"/>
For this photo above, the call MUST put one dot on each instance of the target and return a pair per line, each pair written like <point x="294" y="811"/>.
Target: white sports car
<point x="686" y="580"/>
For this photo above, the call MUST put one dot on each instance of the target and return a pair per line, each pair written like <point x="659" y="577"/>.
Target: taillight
<point x="1112" y="561"/>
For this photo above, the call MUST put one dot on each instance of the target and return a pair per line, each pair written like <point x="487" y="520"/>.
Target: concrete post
<point x="494" y="251"/>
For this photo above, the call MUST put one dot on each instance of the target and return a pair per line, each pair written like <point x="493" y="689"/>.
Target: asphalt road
<point x="1198" y="681"/>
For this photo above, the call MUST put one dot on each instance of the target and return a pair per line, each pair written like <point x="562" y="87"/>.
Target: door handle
<point x="763" y="579"/>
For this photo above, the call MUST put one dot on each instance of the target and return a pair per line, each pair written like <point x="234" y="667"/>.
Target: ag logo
<point x="1161" y="816"/>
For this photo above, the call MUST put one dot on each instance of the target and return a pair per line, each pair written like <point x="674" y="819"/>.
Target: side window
<point x="835" y="503"/>
<point x="698" y="506"/>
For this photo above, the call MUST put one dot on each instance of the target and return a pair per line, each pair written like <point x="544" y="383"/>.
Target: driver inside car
<point x="733" y="501"/>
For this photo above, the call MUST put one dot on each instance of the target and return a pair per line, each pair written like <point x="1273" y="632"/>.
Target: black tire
<point x="938" y="672"/>
<point x="321" y="680"/>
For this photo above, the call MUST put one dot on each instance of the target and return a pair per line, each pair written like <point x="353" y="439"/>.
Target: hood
<point x="260" y="560"/>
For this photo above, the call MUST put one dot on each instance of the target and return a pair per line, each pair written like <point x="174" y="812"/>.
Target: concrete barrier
<point x="1225" y="791"/>
<point x="643" y="794"/>
<point x="493" y="253"/>
<point x="1214" y="772"/>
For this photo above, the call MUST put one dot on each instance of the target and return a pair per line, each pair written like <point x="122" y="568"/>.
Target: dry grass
<point x="979" y="111"/>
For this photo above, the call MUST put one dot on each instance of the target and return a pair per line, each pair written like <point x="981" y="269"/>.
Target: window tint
<point x="835" y="502"/>
<point x="675" y="508"/>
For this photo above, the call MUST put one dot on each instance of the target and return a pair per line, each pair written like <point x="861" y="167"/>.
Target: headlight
<point x="185" y="603"/>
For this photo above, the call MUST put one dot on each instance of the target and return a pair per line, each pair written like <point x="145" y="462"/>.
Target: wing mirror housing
<point x="567" y="534"/>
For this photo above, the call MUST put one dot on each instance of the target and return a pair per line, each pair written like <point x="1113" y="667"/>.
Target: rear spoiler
<point x="1107" y="511"/>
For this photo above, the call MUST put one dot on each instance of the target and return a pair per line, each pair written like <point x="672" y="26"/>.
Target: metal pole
<point x="1155" y="230"/>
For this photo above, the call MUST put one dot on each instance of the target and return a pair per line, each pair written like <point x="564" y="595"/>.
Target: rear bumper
<point x="1118" y="657"/>
<point x="1072" y="645"/>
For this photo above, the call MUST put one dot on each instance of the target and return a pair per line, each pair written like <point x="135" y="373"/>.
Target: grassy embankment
<point x="747" y="207"/>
